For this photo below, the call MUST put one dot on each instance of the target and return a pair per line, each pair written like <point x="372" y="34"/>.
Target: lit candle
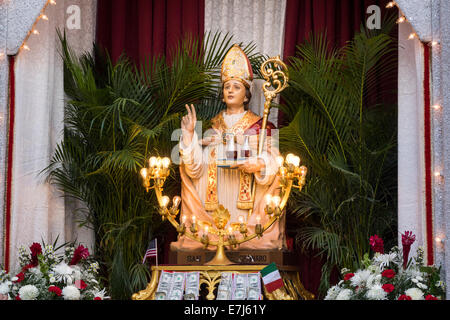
<point x="165" y="162"/>
<point x="268" y="198"/>
<point x="158" y="162"/>
<point x="206" y="230"/>
<point x="258" y="219"/>
<point x="176" y="201"/>
<point x="183" y="219"/>
<point x="241" y="219"/>
<point x="165" y="201"/>
<point x="144" y="173"/>
<point x="193" y="219"/>
<point x="280" y="161"/>
<point x="296" y="161"/>
<point x="276" y="201"/>
<point x="230" y="230"/>
<point x="290" y="158"/>
<point x="152" y="162"/>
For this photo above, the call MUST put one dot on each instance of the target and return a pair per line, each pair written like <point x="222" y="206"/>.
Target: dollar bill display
<point x="186" y="285"/>
<point x="225" y="286"/>
<point x="192" y="286"/>
<point x="254" y="286"/>
<point x="177" y="286"/>
<point x="240" y="286"/>
<point x="164" y="285"/>
<point x="246" y="286"/>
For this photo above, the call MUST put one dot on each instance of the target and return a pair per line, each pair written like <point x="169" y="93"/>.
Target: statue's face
<point x="234" y="93"/>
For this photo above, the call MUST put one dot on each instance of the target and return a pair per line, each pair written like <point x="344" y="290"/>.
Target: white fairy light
<point x="436" y="107"/>
<point x="412" y="36"/>
<point x="401" y="19"/>
<point x="391" y="4"/>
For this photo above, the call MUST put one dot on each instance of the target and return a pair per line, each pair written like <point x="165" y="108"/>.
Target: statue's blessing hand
<point x="188" y="124"/>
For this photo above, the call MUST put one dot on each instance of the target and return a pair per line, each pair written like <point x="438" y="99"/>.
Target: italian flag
<point x="271" y="277"/>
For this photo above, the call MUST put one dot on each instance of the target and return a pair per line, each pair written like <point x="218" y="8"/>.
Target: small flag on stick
<point x="152" y="251"/>
<point x="271" y="277"/>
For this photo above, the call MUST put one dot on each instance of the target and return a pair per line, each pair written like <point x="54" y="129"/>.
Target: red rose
<point x="388" y="287"/>
<point x="431" y="297"/>
<point x="389" y="273"/>
<point x="18" y="297"/>
<point x="348" y="276"/>
<point x="55" y="290"/>
<point x="80" y="253"/>
<point x="97" y="298"/>
<point x="404" y="297"/>
<point x="80" y="284"/>
<point x="36" y="249"/>
<point x="20" y="277"/>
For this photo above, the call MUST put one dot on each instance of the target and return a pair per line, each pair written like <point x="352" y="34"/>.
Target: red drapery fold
<point x="146" y="27"/>
<point x="12" y="108"/>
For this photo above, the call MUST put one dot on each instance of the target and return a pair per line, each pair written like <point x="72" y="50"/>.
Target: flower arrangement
<point x="46" y="275"/>
<point x="390" y="276"/>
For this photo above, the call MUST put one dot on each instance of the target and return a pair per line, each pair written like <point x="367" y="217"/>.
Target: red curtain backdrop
<point x="146" y="27"/>
<point x="341" y="19"/>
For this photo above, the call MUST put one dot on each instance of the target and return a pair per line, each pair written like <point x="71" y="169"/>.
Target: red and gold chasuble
<point x="249" y="124"/>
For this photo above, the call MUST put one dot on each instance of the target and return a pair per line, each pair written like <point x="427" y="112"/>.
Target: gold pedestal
<point x="210" y="277"/>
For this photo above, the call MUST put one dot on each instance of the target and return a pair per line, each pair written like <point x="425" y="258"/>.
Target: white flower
<point x="52" y="279"/>
<point x="376" y="293"/>
<point x="63" y="272"/>
<point x="373" y="280"/>
<point x="360" y="278"/>
<point x="4" y="287"/>
<point x="71" y="293"/>
<point x="383" y="260"/>
<point x="76" y="273"/>
<point x="344" y="294"/>
<point x="101" y="294"/>
<point x="422" y="286"/>
<point x="36" y="271"/>
<point x="28" y="292"/>
<point x="332" y="293"/>
<point x="414" y="293"/>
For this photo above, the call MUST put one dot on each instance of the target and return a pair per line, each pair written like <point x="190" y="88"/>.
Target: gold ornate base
<point x="210" y="278"/>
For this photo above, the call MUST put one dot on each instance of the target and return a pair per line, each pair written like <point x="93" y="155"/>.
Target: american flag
<point x="152" y="250"/>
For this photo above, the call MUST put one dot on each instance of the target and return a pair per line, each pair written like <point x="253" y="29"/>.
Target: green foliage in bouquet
<point x="116" y="116"/>
<point x="348" y="145"/>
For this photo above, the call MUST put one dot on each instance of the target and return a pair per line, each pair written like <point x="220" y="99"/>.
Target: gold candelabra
<point x="290" y="174"/>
